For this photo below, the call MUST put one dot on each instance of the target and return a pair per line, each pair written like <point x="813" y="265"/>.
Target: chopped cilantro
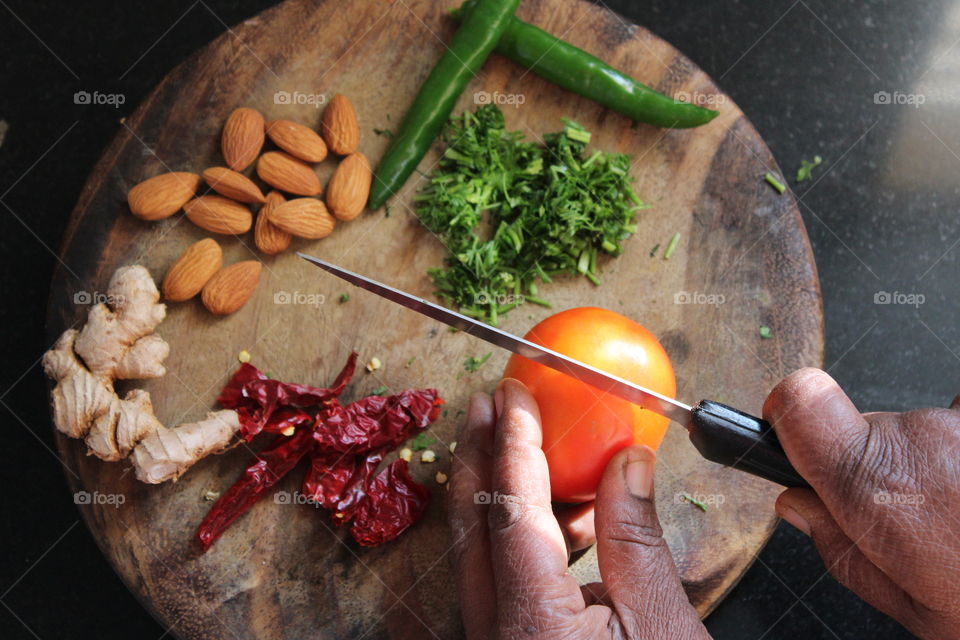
<point x="765" y="331"/>
<point x="697" y="503"/>
<point x="806" y="168"/>
<point x="344" y="297"/>
<point x="386" y="133"/>
<point x="421" y="441"/>
<point x="773" y="182"/>
<point x="671" y="246"/>
<point x="379" y="391"/>
<point x="472" y="363"/>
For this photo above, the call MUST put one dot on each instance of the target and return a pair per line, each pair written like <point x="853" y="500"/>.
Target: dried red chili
<point x="339" y="482"/>
<point x="374" y="422"/>
<point x="271" y="464"/>
<point x="393" y="503"/>
<point x="255" y="397"/>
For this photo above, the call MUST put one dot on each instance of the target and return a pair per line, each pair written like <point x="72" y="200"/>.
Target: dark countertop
<point x="881" y="215"/>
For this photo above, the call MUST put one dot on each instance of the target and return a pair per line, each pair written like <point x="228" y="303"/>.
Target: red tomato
<point x="582" y="427"/>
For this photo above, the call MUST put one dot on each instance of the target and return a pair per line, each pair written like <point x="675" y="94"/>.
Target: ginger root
<point x="118" y="343"/>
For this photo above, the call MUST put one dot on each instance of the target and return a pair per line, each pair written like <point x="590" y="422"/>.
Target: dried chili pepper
<point x="255" y="397"/>
<point x="338" y="482"/>
<point x="271" y="464"/>
<point x="374" y="422"/>
<point x="393" y="503"/>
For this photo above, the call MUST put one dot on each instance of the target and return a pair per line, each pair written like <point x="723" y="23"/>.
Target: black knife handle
<point x="735" y="439"/>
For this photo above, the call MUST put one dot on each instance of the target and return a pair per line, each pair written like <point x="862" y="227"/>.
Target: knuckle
<point x="641" y="534"/>
<point x="507" y="512"/>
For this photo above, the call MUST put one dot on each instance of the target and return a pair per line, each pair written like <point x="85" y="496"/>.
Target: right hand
<point x="884" y="512"/>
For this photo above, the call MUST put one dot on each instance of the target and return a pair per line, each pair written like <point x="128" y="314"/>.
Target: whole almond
<point x="304" y="218"/>
<point x="242" y="138"/>
<point x="219" y="215"/>
<point x="339" y="126"/>
<point x="268" y="237"/>
<point x="232" y="184"/>
<point x="163" y="195"/>
<point x="349" y="187"/>
<point x="231" y="287"/>
<point x="192" y="270"/>
<point x="298" y="140"/>
<point x="286" y="173"/>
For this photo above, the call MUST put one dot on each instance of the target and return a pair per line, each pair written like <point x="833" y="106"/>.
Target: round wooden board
<point x="282" y="571"/>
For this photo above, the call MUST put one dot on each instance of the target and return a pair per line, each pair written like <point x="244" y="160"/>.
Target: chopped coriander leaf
<point x="653" y="251"/>
<point x="386" y="133"/>
<point x="460" y="412"/>
<point x="514" y="213"/>
<point x="773" y="182"/>
<point x="410" y="361"/>
<point x="344" y="297"/>
<point x="765" y="332"/>
<point x="472" y="363"/>
<point x="269" y="375"/>
<point x="379" y="391"/>
<point x="421" y="441"/>
<point x="671" y="246"/>
<point x="689" y="498"/>
<point x="806" y="168"/>
<point x="386" y="210"/>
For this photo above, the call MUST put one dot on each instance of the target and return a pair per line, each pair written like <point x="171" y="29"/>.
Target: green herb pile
<point x="513" y="212"/>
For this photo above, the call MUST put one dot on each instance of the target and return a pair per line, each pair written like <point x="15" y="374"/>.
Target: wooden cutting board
<point x="282" y="571"/>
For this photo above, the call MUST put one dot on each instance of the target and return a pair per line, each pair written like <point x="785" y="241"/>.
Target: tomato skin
<point x="582" y="427"/>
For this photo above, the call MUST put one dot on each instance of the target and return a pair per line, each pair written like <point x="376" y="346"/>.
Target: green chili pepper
<point x="576" y="70"/>
<point x="479" y="32"/>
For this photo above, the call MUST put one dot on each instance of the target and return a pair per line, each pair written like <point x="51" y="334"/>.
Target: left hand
<point x="511" y="552"/>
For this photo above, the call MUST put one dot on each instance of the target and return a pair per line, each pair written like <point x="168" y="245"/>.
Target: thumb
<point x="841" y="555"/>
<point x="635" y="562"/>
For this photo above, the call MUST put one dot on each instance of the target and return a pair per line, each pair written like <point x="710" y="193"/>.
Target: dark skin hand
<point x="881" y="513"/>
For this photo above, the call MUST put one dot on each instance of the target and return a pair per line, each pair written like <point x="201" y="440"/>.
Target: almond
<point x="192" y="270"/>
<point x="163" y="195"/>
<point x="298" y="140"/>
<point x="339" y="126"/>
<point x="219" y="215"/>
<point x="268" y="237"/>
<point x="304" y="218"/>
<point x="284" y="172"/>
<point x="349" y="187"/>
<point x="242" y="138"/>
<point x="231" y="287"/>
<point x="232" y="184"/>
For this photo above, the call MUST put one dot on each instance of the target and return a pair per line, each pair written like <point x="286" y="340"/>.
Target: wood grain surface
<point x="282" y="571"/>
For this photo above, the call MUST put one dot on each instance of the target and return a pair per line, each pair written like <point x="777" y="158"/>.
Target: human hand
<point x="883" y="509"/>
<point x="511" y="552"/>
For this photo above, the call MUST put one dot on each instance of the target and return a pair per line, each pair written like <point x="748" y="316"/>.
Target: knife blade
<point x="720" y="433"/>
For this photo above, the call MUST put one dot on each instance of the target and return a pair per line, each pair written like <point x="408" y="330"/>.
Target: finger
<point x="821" y="431"/>
<point x="843" y="559"/>
<point x="635" y="562"/>
<point x="576" y="523"/>
<point x="469" y="481"/>
<point x="534" y="590"/>
<point x="956" y="402"/>
<point x="596" y="593"/>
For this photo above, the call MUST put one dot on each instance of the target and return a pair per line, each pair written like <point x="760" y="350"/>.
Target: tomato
<point x="583" y="427"/>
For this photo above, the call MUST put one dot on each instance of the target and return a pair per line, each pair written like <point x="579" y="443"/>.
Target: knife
<point x="720" y="433"/>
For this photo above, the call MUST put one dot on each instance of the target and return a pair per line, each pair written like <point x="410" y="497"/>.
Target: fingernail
<point x="795" y="519"/>
<point x="638" y="473"/>
<point x="498" y="398"/>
